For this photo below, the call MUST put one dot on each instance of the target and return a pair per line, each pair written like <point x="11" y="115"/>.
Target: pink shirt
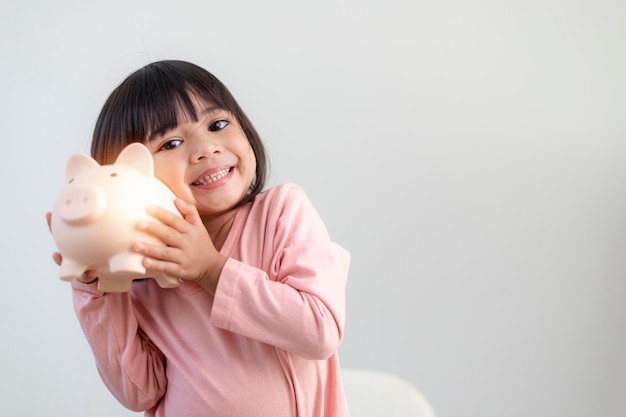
<point x="264" y="345"/>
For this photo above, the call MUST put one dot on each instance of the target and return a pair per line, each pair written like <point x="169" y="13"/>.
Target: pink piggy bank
<point x="94" y="218"/>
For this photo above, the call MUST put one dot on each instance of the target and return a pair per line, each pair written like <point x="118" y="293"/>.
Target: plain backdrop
<point x="470" y="154"/>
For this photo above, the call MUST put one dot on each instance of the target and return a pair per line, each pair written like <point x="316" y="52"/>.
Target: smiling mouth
<point x="212" y="178"/>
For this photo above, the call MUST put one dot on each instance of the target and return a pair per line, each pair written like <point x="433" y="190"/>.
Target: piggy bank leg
<point x="114" y="284"/>
<point x="165" y="281"/>
<point x="70" y="269"/>
<point x="127" y="262"/>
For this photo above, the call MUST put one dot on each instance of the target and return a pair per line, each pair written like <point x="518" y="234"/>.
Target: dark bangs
<point x="148" y="103"/>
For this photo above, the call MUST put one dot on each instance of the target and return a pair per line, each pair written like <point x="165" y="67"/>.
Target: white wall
<point x="471" y="155"/>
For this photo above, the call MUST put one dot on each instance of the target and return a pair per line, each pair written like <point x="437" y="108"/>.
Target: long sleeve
<point x="264" y="344"/>
<point x="299" y="305"/>
<point x="131" y="367"/>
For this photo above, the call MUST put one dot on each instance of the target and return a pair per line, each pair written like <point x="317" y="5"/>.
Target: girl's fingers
<point x="156" y="251"/>
<point x="189" y="211"/>
<point x="170" y="225"/>
<point x="163" y="215"/>
<point x="174" y="220"/>
<point x="165" y="234"/>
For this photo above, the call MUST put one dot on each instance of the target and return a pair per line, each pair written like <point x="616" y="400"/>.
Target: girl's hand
<point x="189" y="253"/>
<point x="88" y="276"/>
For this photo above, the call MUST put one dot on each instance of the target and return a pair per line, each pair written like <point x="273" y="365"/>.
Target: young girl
<point x="254" y="327"/>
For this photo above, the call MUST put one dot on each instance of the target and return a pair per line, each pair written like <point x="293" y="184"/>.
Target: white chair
<point x="379" y="394"/>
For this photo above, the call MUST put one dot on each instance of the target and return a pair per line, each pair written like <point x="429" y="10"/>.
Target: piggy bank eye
<point x="113" y="174"/>
<point x="71" y="181"/>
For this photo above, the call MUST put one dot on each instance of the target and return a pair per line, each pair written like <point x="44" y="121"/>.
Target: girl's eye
<point x="170" y="144"/>
<point x="218" y="125"/>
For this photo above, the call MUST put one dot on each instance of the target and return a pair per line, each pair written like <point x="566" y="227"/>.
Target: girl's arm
<point x="129" y="364"/>
<point x="131" y="367"/>
<point x="299" y="305"/>
<point x="287" y="290"/>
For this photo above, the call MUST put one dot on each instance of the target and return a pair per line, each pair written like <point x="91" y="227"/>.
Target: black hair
<point x="148" y="103"/>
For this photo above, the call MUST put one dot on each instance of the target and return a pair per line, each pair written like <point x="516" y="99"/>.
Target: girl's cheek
<point x="165" y="176"/>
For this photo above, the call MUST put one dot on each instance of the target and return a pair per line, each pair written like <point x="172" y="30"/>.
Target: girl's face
<point x="208" y="163"/>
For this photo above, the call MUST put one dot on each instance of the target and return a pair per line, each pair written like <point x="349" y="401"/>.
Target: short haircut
<point x="148" y="102"/>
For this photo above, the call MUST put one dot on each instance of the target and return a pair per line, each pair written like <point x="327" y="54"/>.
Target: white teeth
<point x="211" y="178"/>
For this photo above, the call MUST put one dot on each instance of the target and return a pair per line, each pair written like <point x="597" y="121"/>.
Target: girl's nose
<point x="204" y="151"/>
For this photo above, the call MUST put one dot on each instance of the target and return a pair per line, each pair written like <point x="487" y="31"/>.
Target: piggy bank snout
<point x="81" y="205"/>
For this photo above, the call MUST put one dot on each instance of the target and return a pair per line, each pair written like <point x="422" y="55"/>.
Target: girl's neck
<point x="219" y="227"/>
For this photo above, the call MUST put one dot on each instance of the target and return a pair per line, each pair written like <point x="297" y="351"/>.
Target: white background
<point x="470" y="154"/>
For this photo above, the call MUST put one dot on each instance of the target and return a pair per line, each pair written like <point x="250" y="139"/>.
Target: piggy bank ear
<point x="78" y="163"/>
<point x="137" y="156"/>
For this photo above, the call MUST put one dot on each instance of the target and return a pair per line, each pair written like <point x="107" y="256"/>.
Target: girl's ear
<point x="78" y="163"/>
<point x="137" y="155"/>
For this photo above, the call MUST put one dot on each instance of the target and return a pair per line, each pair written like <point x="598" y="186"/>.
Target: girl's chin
<point x="215" y="208"/>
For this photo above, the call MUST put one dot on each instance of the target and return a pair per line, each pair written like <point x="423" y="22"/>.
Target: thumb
<point x="188" y="211"/>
